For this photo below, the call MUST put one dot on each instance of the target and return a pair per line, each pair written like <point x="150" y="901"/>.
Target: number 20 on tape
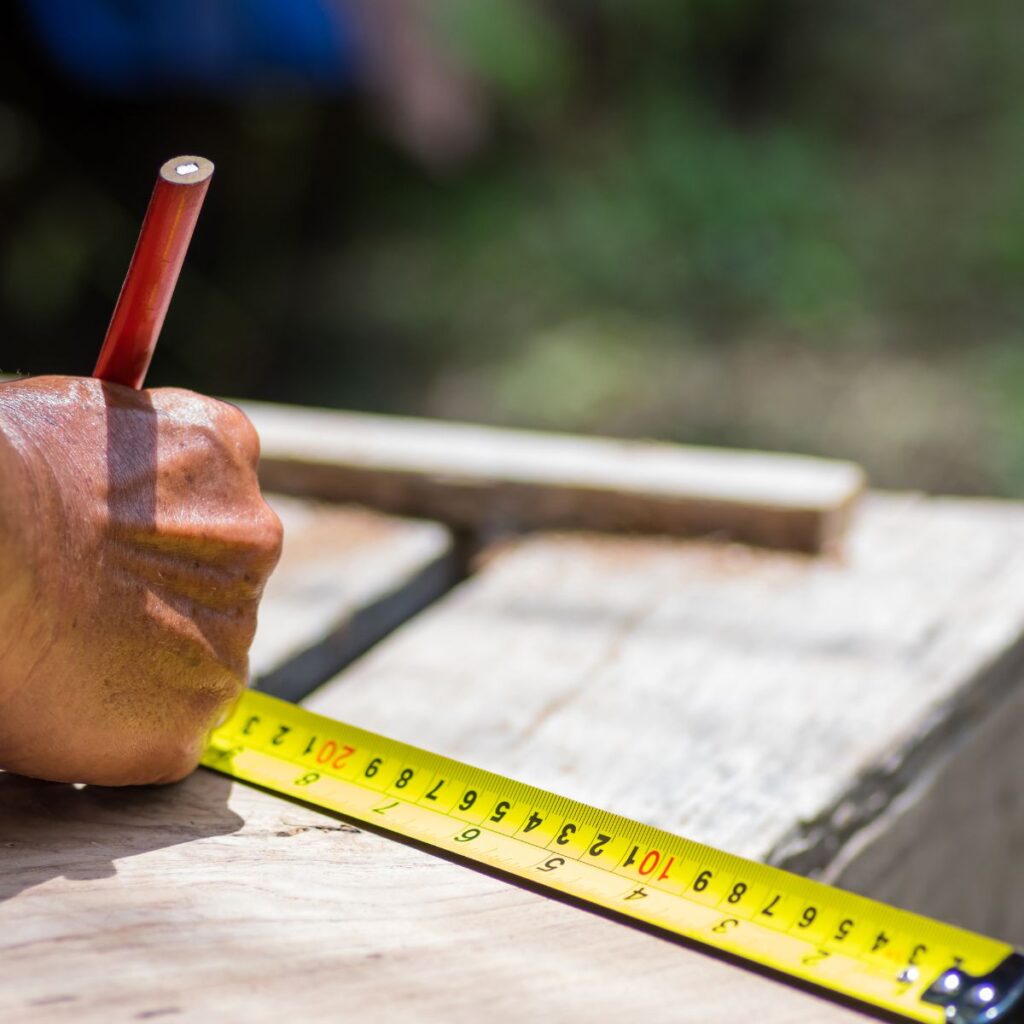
<point x="847" y="944"/>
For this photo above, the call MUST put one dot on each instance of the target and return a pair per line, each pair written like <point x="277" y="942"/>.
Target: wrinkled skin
<point x="134" y="547"/>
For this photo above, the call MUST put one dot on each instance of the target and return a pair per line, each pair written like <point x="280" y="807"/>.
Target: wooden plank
<point x="347" y="576"/>
<point x="211" y="901"/>
<point x="798" y="710"/>
<point x="483" y="477"/>
<point x="777" y="706"/>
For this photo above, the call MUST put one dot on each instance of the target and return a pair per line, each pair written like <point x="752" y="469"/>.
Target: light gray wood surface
<point x="496" y="480"/>
<point x="821" y="713"/>
<point x="769" y="704"/>
<point x="347" y="576"/>
<point x="211" y="901"/>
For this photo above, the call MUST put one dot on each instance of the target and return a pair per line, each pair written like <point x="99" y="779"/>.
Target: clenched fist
<point x="134" y="546"/>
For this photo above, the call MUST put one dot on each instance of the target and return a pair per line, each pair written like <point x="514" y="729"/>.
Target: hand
<point x="134" y="546"/>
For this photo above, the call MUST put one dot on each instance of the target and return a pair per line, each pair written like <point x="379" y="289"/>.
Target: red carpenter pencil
<point x="153" y="272"/>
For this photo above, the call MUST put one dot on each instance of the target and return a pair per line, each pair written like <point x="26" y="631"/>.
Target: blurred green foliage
<point x="791" y="225"/>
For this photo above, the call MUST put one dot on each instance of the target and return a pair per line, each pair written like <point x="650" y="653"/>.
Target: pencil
<point x="153" y="272"/>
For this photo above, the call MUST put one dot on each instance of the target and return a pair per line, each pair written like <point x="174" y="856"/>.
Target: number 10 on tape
<point x="907" y="964"/>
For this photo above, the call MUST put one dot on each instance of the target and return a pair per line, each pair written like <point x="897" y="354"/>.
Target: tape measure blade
<point x="834" y="940"/>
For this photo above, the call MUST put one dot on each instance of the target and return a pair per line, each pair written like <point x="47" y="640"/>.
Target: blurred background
<point x="791" y="225"/>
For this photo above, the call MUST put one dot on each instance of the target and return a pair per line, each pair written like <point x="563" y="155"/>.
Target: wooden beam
<point x="856" y="719"/>
<point x="850" y="719"/>
<point x="497" y="480"/>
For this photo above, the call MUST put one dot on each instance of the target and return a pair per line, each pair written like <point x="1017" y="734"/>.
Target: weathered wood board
<point x="820" y="713"/>
<point x="490" y="480"/>
<point x="347" y="576"/>
<point x="780" y="707"/>
<point x="211" y="901"/>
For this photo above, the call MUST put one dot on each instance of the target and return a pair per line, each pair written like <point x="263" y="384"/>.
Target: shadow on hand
<point x="55" y="830"/>
<point x="132" y="463"/>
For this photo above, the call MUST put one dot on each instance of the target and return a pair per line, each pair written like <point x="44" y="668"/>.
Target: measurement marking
<point x="846" y="943"/>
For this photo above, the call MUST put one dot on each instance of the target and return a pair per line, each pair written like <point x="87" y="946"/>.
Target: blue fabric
<point x="208" y="44"/>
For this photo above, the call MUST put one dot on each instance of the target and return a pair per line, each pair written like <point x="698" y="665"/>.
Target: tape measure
<point x="888" y="958"/>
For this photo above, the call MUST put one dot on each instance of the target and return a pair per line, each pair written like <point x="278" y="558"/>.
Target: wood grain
<point x="500" y="480"/>
<point x="831" y="715"/>
<point x="347" y="576"/>
<point x="211" y="901"/>
<point x="774" y="705"/>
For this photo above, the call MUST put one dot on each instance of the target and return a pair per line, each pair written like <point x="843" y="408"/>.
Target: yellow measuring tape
<point x="889" y="958"/>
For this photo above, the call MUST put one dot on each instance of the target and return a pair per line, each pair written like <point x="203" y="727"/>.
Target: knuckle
<point x="233" y="650"/>
<point x="238" y="430"/>
<point x="179" y="403"/>
<point x="226" y="421"/>
<point x="270" y="531"/>
<point x="264" y="538"/>
<point x="212" y="446"/>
